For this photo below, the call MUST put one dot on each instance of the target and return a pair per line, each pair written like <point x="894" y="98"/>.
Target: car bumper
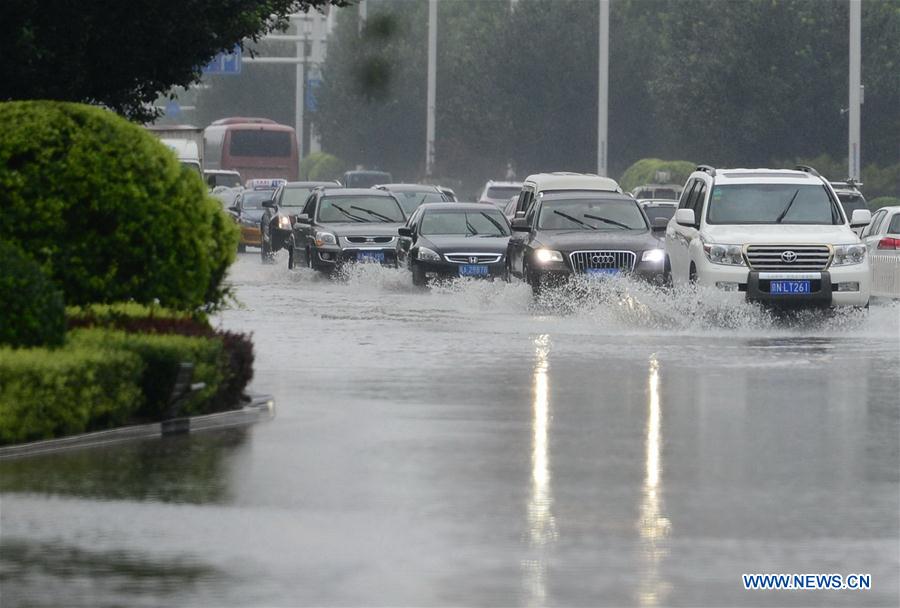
<point x="558" y="272"/>
<point x="333" y="257"/>
<point x="834" y="287"/>
<point x="251" y="235"/>
<point x="451" y="270"/>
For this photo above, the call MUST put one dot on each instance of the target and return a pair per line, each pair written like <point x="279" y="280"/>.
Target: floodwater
<point x="467" y="446"/>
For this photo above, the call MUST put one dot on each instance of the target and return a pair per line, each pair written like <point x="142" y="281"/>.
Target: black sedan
<point x="585" y="233"/>
<point x="413" y="195"/>
<point x="448" y="240"/>
<point x="343" y="225"/>
<point x="280" y="213"/>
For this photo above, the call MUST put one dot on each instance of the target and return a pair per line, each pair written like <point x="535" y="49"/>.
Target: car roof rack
<point x="706" y="169"/>
<point x="807" y="169"/>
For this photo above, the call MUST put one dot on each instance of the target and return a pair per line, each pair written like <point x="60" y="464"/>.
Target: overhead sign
<point x="224" y="63"/>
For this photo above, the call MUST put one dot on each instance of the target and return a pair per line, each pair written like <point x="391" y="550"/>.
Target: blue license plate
<point x="789" y="287"/>
<point x="473" y="270"/>
<point x="370" y="256"/>
<point x="602" y="272"/>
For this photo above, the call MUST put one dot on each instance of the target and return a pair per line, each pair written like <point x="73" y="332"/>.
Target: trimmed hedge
<point x="161" y="355"/>
<point x="883" y="201"/>
<point x="107" y="210"/>
<point x="320" y="166"/>
<point x="644" y="172"/>
<point x="46" y="393"/>
<point x="31" y="307"/>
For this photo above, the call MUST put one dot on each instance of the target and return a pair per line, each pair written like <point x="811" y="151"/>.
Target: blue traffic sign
<point x="312" y="88"/>
<point x="172" y="108"/>
<point x="224" y="63"/>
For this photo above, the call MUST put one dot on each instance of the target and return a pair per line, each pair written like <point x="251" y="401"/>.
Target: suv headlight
<point x="325" y="238"/>
<point x="844" y="255"/>
<point x="545" y="256"/>
<point x="284" y="222"/>
<point x="729" y="255"/>
<point x="428" y="255"/>
<point x="653" y="255"/>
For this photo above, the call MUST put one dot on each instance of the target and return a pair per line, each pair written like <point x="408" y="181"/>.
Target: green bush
<point x="46" y="393"/>
<point x="31" y="307"/>
<point x="321" y="166"/>
<point x="161" y="355"/>
<point x="644" y="172"/>
<point x="883" y="201"/>
<point x="107" y="210"/>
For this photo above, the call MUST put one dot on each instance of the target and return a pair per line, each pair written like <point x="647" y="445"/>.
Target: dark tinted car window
<point x="255" y="199"/>
<point x="894" y="228"/>
<point x="337" y="209"/>
<point x="591" y="214"/>
<point x="260" y="143"/>
<point x="410" y="200"/>
<point x="766" y="203"/>
<point x="469" y="223"/>
<point x="664" y="211"/>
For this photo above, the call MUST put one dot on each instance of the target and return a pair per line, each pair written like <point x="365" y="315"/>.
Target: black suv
<point x="584" y="233"/>
<point x="344" y="225"/>
<point x="280" y="214"/>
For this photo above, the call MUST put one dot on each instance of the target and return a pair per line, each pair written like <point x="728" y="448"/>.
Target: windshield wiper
<point x="470" y="228"/>
<point x="355" y="218"/>
<point x="383" y="218"/>
<point x="496" y="224"/>
<point x="788" y="208"/>
<point x="608" y="221"/>
<point x="574" y="219"/>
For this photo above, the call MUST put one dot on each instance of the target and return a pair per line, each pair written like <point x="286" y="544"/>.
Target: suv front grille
<point x="594" y="260"/>
<point x="788" y="257"/>
<point x="362" y="240"/>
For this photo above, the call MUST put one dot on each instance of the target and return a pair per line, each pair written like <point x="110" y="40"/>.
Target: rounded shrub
<point x="107" y="210"/>
<point x="32" y="312"/>
<point x="326" y="167"/>
<point x="644" y="172"/>
<point x="883" y="201"/>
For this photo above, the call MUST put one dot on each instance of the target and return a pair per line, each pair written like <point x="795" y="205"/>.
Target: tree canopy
<point x="125" y="54"/>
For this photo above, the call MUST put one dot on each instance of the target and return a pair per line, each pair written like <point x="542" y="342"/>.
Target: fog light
<point x="727" y="285"/>
<point x="325" y="255"/>
<point x="850" y="286"/>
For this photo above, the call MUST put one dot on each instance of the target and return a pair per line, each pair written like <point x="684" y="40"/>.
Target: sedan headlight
<point x="284" y="222"/>
<point x="653" y="255"/>
<point x="428" y="255"/>
<point x="844" y="255"/>
<point x="545" y="256"/>
<point x="729" y="255"/>
<point x="325" y="238"/>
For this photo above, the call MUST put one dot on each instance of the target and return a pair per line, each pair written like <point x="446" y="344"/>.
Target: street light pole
<point x="432" y="86"/>
<point x="300" y="82"/>
<point x="853" y="152"/>
<point x="603" y="89"/>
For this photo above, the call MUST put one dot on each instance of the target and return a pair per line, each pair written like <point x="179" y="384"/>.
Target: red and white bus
<point x="255" y="147"/>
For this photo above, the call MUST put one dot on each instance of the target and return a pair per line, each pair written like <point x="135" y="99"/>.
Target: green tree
<point x="124" y="54"/>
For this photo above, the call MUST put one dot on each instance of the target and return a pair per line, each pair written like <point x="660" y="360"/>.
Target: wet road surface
<point x="465" y="446"/>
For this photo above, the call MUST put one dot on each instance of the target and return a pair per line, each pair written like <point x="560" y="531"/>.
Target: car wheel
<point x="291" y="256"/>
<point x="667" y="273"/>
<point x="534" y="280"/>
<point x="692" y="277"/>
<point x="418" y="276"/>
<point x="507" y="272"/>
<point x="265" y="246"/>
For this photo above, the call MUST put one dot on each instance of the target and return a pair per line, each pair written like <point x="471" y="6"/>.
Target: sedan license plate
<point x="473" y="270"/>
<point x="370" y="256"/>
<point x="602" y="272"/>
<point x="789" y="287"/>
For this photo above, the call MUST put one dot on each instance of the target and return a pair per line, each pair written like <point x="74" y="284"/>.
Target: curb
<point x="261" y="409"/>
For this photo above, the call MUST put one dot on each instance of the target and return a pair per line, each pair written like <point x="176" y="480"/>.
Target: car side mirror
<point x="685" y="217"/>
<point x="659" y="224"/>
<point x="860" y="218"/>
<point x="520" y="224"/>
<point x="303" y="218"/>
<point x="234" y="209"/>
<point x="270" y="204"/>
<point x="405" y="231"/>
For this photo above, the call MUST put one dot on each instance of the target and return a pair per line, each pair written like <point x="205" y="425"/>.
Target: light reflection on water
<point x="652" y="525"/>
<point x="541" y="524"/>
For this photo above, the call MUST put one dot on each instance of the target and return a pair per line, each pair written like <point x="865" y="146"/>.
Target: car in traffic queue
<point x="539" y="184"/>
<point x="775" y="236"/>
<point x="247" y="209"/>
<point x="363" y="178"/>
<point x="218" y="178"/>
<point x="498" y="193"/>
<point x="882" y="240"/>
<point x="346" y="225"/>
<point x="668" y="192"/>
<point x="848" y="192"/>
<point x="277" y="221"/>
<point x="584" y="234"/>
<point x="450" y="240"/>
<point x="658" y="208"/>
<point x="413" y="195"/>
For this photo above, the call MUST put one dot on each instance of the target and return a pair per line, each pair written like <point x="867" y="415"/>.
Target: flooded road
<point x="465" y="446"/>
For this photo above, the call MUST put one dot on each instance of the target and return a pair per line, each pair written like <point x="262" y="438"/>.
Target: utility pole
<point x="299" y="91"/>
<point x="363" y="14"/>
<point x="853" y="152"/>
<point x="432" y="86"/>
<point x="315" y="72"/>
<point x="603" y="90"/>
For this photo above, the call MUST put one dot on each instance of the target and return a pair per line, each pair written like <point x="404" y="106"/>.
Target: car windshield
<point x="410" y="200"/>
<point x="366" y="179"/>
<point x="503" y="192"/>
<point x="666" y="193"/>
<point x="656" y="211"/>
<point x="229" y="180"/>
<point x="294" y="197"/>
<point x="489" y="222"/>
<point x="771" y="204"/>
<point x="591" y="214"/>
<point x="340" y="209"/>
<point x="255" y="199"/>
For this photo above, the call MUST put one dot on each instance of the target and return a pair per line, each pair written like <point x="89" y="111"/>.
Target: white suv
<point x="779" y="236"/>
